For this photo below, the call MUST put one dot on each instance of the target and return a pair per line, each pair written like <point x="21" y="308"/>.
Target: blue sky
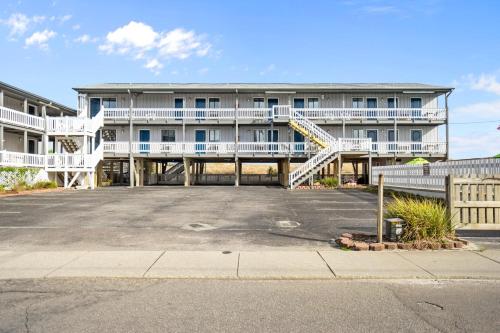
<point x="50" y="46"/>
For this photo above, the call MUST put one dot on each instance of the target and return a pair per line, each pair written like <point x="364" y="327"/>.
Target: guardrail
<point x="432" y="176"/>
<point x="14" y="159"/>
<point x="21" y="119"/>
<point x="278" y="111"/>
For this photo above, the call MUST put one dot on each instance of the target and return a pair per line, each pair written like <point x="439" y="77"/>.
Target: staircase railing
<point x="312" y="128"/>
<point x="333" y="146"/>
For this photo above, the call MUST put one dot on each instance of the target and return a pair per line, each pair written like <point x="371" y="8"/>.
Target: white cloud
<point x="141" y="41"/>
<point x="85" y="38"/>
<point x="380" y="9"/>
<point x="477" y="145"/>
<point x="154" y="65"/>
<point x="76" y="27"/>
<point x="40" y="38"/>
<point x="203" y="71"/>
<point x="270" y="68"/>
<point x="18" y="24"/>
<point x="181" y="44"/>
<point x="65" y="18"/>
<point x="485" y="82"/>
<point x="484" y="110"/>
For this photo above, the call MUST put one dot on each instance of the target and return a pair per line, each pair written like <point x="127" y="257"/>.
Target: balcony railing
<point x="14" y="159"/>
<point x="278" y="148"/>
<point x="18" y="118"/>
<point x="279" y="112"/>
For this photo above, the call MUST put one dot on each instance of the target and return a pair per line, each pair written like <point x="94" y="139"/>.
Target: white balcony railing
<point x="279" y="111"/>
<point x="265" y="148"/>
<point x="14" y="159"/>
<point x="18" y="118"/>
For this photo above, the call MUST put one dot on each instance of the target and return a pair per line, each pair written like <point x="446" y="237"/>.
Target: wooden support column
<point x="131" y="165"/>
<point x="280" y="172"/>
<point x="1" y="137"/>
<point x="100" y="171"/>
<point x="25" y="142"/>
<point x="121" y="172"/>
<point x="187" y="171"/>
<point x="237" y="172"/>
<point x="286" y="172"/>
<point x="2" y="98"/>
<point x="370" y="168"/>
<point x="112" y="171"/>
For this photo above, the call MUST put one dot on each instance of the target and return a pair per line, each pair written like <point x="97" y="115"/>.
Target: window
<point x="275" y="136"/>
<point x="358" y="133"/>
<point x="109" y="135"/>
<point x="259" y="135"/>
<point x="390" y="103"/>
<point x="179" y="103"/>
<point x="416" y="103"/>
<point x="258" y="103"/>
<point x="32" y="146"/>
<point x="213" y="103"/>
<point x="390" y="135"/>
<point x="313" y="103"/>
<point x="298" y="103"/>
<point x="109" y="102"/>
<point x="32" y="110"/>
<point x="272" y="102"/>
<point x="168" y="135"/>
<point x="214" y="135"/>
<point x="416" y="135"/>
<point x="372" y="134"/>
<point x="371" y="103"/>
<point x="95" y="106"/>
<point x="357" y="102"/>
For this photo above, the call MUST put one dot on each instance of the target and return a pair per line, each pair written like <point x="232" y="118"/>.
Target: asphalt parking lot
<point x="178" y="218"/>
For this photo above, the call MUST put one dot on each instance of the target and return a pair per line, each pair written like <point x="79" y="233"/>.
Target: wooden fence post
<point x="380" y="207"/>
<point x="450" y="195"/>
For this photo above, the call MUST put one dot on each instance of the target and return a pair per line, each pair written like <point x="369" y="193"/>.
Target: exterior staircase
<point x="70" y="145"/>
<point x="328" y="153"/>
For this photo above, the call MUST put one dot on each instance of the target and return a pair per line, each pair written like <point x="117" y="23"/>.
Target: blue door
<point x="95" y="107"/>
<point x="144" y="141"/>
<point x="270" y="103"/>
<point x="178" y="104"/>
<point x="200" y="136"/>
<point x="298" y="103"/>
<point x="298" y="138"/>
<point x="371" y="103"/>
<point x="416" y="105"/>
<point x="200" y="103"/>
<point x="273" y="147"/>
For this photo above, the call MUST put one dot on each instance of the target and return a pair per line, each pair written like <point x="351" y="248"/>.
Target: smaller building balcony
<point x="21" y="119"/>
<point x="277" y="113"/>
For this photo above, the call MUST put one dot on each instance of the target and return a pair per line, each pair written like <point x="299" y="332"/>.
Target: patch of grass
<point x="329" y="182"/>
<point x="44" y="184"/>
<point x="426" y="219"/>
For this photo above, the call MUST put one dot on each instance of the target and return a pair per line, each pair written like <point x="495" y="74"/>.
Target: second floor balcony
<point x="277" y="113"/>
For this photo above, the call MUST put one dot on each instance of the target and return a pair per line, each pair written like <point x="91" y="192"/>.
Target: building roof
<point x="31" y="96"/>
<point x="244" y="87"/>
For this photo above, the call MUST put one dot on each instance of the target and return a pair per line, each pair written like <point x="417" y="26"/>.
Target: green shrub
<point x="426" y="219"/>
<point x="272" y="171"/>
<point x="329" y="182"/>
<point x="44" y="184"/>
<point x="2" y="189"/>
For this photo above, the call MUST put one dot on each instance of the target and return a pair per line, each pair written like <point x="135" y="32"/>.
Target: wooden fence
<point x="474" y="201"/>
<point x="430" y="178"/>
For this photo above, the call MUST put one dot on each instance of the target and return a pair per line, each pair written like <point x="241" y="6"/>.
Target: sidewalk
<point x="280" y="264"/>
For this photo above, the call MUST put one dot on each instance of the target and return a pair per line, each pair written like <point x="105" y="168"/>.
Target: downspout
<point x="131" y="168"/>
<point x="446" y="95"/>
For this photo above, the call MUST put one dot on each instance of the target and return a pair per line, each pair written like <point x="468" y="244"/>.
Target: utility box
<point x="394" y="228"/>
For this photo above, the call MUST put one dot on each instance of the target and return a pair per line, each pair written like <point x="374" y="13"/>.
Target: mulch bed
<point x="364" y="242"/>
<point x="28" y="192"/>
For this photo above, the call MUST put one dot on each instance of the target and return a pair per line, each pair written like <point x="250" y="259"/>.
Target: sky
<point x="48" y="47"/>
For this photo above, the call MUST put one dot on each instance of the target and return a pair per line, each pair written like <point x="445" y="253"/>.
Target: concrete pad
<point x="283" y="265"/>
<point x="492" y="254"/>
<point x="454" y="264"/>
<point x="352" y="264"/>
<point x="35" y="264"/>
<point x="109" y="264"/>
<point x="195" y="264"/>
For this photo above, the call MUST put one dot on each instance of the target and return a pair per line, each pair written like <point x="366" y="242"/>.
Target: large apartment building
<point x="170" y="133"/>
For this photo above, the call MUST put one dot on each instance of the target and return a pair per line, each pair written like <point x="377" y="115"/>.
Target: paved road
<point x="250" y="306"/>
<point x="178" y="218"/>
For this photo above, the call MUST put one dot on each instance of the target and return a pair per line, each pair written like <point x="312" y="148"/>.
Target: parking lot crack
<point x="161" y="255"/>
